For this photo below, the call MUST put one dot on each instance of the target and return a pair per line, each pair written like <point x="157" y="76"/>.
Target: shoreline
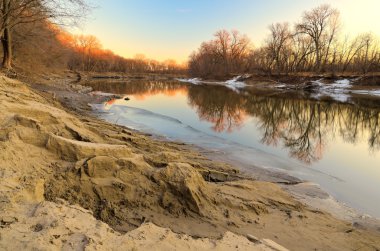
<point x="311" y="194"/>
<point x="338" y="208"/>
<point x="306" y="191"/>
<point x="197" y="207"/>
<point x="325" y="203"/>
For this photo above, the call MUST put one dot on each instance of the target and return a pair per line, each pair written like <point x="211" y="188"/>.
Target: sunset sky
<point x="164" y="29"/>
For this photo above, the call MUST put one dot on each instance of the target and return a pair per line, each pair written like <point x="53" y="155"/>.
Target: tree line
<point x="88" y="55"/>
<point x="32" y="35"/>
<point x="314" y="44"/>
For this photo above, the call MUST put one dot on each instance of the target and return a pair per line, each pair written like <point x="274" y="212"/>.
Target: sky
<point x="172" y="29"/>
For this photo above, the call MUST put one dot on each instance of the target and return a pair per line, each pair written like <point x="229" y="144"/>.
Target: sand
<point x="69" y="181"/>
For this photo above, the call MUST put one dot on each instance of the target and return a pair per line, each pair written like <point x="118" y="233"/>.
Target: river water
<point x="333" y="144"/>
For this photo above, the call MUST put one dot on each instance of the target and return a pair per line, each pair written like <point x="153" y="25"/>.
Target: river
<point x="334" y="144"/>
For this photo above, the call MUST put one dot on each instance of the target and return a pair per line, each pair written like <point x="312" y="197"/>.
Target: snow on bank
<point x="195" y="81"/>
<point x="102" y="94"/>
<point x="342" y="83"/>
<point x="341" y="90"/>
<point x="235" y="84"/>
<point x="338" y="91"/>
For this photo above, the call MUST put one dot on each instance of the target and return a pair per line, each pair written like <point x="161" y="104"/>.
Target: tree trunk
<point x="6" y="38"/>
<point x="318" y="57"/>
<point x="7" y="49"/>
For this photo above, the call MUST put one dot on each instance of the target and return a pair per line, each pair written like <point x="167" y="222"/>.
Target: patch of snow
<point x="340" y="90"/>
<point x="318" y="82"/>
<point x="339" y="84"/>
<point x="235" y="84"/>
<point x="99" y="93"/>
<point x="342" y="83"/>
<point x="337" y="91"/>
<point x="194" y="81"/>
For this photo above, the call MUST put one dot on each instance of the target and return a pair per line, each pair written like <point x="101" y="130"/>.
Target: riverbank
<point x="53" y="157"/>
<point x="187" y="113"/>
<point x="369" y="79"/>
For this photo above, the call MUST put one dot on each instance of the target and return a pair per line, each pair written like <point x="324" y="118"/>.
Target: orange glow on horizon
<point x="71" y="40"/>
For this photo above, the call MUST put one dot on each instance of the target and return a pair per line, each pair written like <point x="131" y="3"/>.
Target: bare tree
<point x="301" y="52"/>
<point x="86" y="46"/>
<point x="348" y="51"/>
<point x="368" y="54"/>
<point x="226" y="53"/>
<point x="280" y="35"/>
<point x="320" y="24"/>
<point x="239" y="49"/>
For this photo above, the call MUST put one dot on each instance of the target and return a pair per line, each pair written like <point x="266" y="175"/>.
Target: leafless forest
<point x="33" y="37"/>
<point x="315" y="44"/>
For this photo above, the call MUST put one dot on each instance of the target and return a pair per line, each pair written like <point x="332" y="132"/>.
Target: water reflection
<point x="304" y="127"/>
<point x="139" y="88"/>
<point x="220" y="106"/>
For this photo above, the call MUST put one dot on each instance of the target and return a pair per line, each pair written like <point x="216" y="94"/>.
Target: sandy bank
<point x="69" y="181"/>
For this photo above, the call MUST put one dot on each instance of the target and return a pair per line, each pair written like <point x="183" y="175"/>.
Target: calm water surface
<point x="333" y="144"/>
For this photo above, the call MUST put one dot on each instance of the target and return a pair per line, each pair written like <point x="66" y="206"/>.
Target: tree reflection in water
<point x="220" y="106"/>
<point x="304" y="127"/>
<point x="139" y="88"/>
